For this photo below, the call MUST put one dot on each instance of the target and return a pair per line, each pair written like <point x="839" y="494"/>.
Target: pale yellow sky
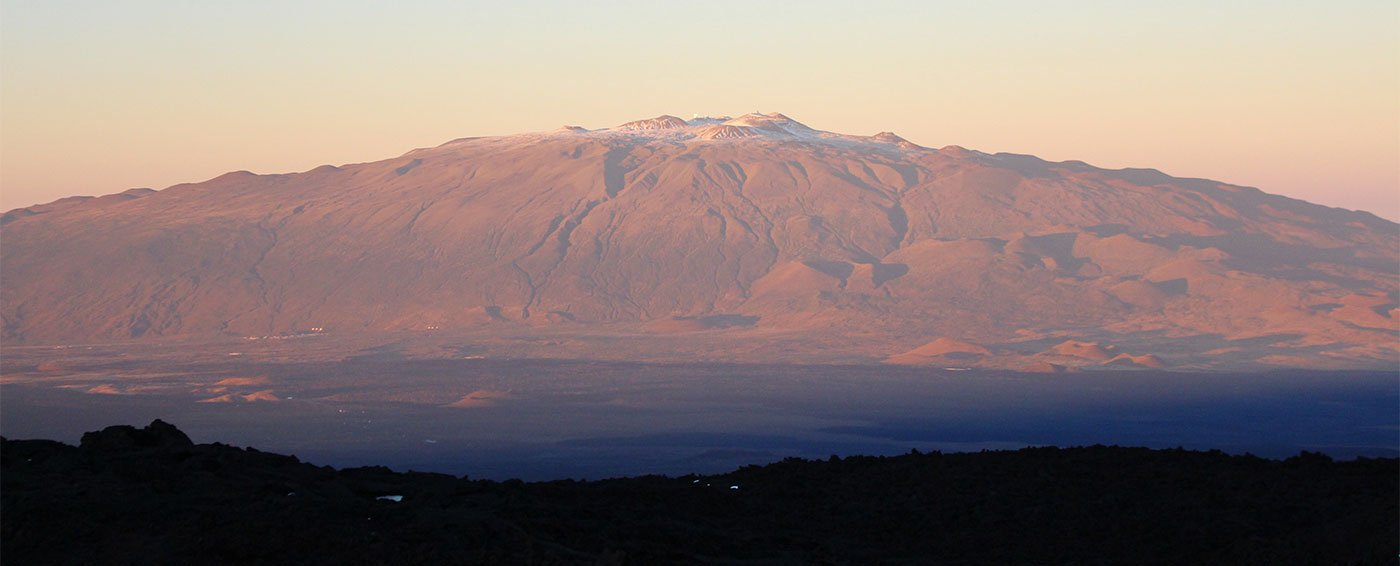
<point x="1300" y="99"/>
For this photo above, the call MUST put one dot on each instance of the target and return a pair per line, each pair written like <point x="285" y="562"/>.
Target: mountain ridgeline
<point x="150" y="496"/>
<point x="756" y="230"/>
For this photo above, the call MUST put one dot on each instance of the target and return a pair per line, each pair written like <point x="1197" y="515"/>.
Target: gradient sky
<point x="1296" y="98"/>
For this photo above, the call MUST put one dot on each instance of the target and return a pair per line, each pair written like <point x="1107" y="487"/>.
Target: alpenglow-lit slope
<point x="755" y="237"/>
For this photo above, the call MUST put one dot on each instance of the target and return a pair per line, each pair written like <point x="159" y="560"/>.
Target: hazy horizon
<point x="1292" y="99"/>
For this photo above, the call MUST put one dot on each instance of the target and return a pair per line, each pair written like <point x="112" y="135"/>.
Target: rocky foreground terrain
<point x="151" y="496"/>
<point x="754" y="239"/>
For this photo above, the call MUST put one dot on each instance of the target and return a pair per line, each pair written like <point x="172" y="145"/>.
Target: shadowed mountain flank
<point x="149" y="495"/>
<point x="657" y="224"/>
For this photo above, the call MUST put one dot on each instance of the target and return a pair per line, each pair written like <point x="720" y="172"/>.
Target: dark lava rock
<point x="149" y="496"/>
<point x="158" y="434"/>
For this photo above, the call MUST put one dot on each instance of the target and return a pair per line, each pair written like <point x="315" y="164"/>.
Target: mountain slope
<point x="758" y="222"/>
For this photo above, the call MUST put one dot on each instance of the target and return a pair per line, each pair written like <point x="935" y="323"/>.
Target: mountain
<point x="754" y="237"/>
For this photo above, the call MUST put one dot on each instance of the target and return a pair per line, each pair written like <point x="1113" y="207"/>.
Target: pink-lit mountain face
<point x="749" y="238"/>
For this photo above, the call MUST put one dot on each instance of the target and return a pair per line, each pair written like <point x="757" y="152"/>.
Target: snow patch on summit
<point x="775" y="122"/>
<point x="662" y="122"/>
<point x="721" y="131"/>
<point x="749" y="127"/>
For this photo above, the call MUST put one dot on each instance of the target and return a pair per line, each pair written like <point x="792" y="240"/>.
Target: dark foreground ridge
<point x="150" y="496"/>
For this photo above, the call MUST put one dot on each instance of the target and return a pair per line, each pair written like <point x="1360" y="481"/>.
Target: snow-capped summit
<point x="662" y="122"/>
<point x="752" y="126"/>
<point x="773" y="122"/>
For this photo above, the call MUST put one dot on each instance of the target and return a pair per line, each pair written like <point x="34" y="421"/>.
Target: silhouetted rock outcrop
<point x="158" y="434"/>
<point x="148" y="496"/>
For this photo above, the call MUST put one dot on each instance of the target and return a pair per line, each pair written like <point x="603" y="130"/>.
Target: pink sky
<point x="1299" y="100"/>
